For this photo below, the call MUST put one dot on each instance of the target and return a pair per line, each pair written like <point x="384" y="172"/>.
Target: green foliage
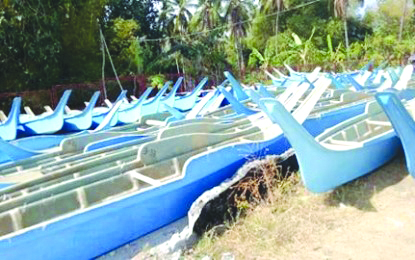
<point x="177" y="15"/>
<point x="303" y="25"/>
<point x="144" y="12"/>
<point x="335" y="29"/>
<point x="207" y="15"/>
<point x="124" y="46"/>
<point x="231" y="54"/>
<point x="79" y="31"/>
<point x="280" y="49"/>
<point x="48" y="42"/>
<point x="255" y="57"/>
<point x="261" y="30"/>
<point x="157" y="81"/>
<point x="253" y="77"/>
<point x="380" y="48"/>
<point x="304" y="50"/>
<point x="29" y="46"/>
<point x="335" y="55"/>
<point x="146" y="15"/>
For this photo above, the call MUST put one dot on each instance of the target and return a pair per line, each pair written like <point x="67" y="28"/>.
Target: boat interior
<point x="359" y="130"/>
<point x="72" y="189"/>
<point x="46" y="164"/>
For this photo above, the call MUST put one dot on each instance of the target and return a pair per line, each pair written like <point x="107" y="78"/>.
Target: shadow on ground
<point x="358" y="193"/>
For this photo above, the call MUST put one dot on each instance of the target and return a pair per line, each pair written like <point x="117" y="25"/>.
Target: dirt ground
<point x="376" y="223"/>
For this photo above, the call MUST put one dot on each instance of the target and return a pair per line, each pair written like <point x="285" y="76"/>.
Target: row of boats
<point x="85" y="193"/>
<point x="71" y="120"/>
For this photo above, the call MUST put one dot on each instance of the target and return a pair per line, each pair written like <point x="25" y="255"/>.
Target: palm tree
<point x="237" y="13"/>
<point x="177" y="16"/>
<point x="207" y="15"/>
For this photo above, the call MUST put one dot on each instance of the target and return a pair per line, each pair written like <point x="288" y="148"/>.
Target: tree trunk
<point x="400" y="29"/>
<point x="402" y="20"/>
<point x="238" y="58"/>
<point x="177" y="65"/>
<point x="241" y="59"/>
<point x="346" y="37"/>
<point x="277" y="23"/>
<point x="277" y="28"/>
<point x="184" y="75"/>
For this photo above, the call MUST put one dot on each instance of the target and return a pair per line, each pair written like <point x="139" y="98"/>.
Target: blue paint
<point x="236" y="105"/>
<point x="48" y="124"/>
<point x="39" y="142"/>
<point x="101" y="229"/>
<point x="264" y="92"/>
<point x="8" y="129"/>
<point x="115" y="141"/>
<point x="171" y="97"/>
<point x="98" y="117"/>
<point x="323" y="169"/>
<point x="403" y="123"/>
<point x="132" y="113"/>
<point x="189" y="101"/>
<point x="5" y="185"/>
<point x="151" y="106"/>
<point x="239" y="92"/>
<point x="83" y="120"/>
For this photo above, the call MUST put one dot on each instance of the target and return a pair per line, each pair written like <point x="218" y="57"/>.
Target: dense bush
<point x="56" y="42"/>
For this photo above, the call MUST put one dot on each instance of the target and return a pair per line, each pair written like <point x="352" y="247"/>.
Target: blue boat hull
<point x="83" y="120"/>
<point x="98" y="118"/>
<point x="403" y="124"/>
<point x="188" y="102"/>
<point x="8" y="129"/>
<point x="103" y="228"/>
<point x="48" y="124"/>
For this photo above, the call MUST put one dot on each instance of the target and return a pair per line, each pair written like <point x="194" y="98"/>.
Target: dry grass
<point x="255" y="187"/>
<point x="292" y="223"/>
<point x="260" y="176"/>
<point x="268" y="228"/>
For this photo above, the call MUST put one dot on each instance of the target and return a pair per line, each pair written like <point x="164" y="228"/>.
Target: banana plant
<point x="334" y="55"/>
<point x="302" y="49"/>
<point x="256" y="56"/>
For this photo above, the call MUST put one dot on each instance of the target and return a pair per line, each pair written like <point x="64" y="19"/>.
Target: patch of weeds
<point x="262" y="177"/>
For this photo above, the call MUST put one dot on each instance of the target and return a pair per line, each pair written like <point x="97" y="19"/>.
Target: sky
<point x="367" y="5"/>
<point x="160" y="5"/>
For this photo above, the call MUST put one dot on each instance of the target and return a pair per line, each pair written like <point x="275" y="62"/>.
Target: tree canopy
<point x="52" y="42"/>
